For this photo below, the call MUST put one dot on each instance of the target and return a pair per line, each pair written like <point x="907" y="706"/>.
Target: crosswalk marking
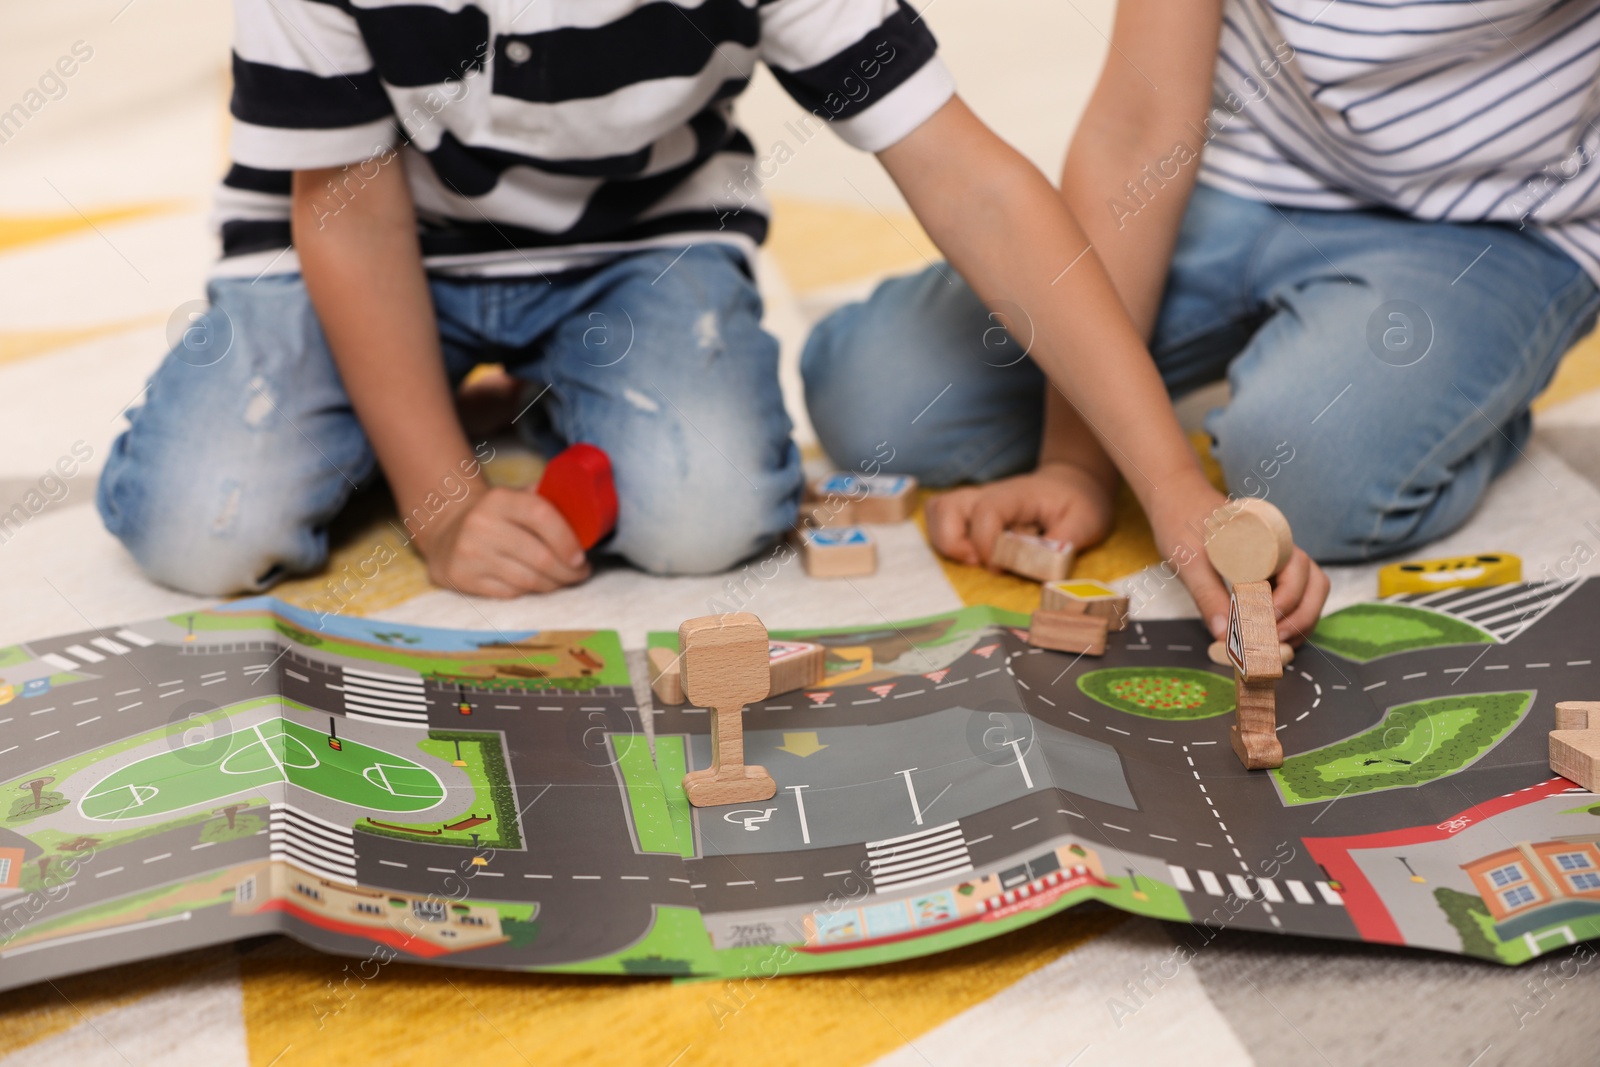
<point x="313" y="844"/>
<point x="60" y="663"/>
<point x="400" y="700"/>
<point x="109" y="645"/>
<point x="85" y="654"/>
<point x="933" y="854"/>
<point x="1252" y="887"/>
<point x="133" y="637"/>
<point x="1503" y="610"/>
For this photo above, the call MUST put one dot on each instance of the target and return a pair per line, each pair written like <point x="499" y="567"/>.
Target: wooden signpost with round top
<point x="725" y="667"/>
<point x="1251" y="546"/>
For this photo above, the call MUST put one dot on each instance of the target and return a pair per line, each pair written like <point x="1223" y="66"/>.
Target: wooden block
<point x="1450" y="572"/>
<point x="1032" y="556"/>
<point x="1253" y="542"/>
<point x="839" y="552"/>
<point x="1065" y="631"/>
<point x="1578" y="715"/>
<point x="869" y="497"/>
<point x="725" y="667"/>
<point x="795" y="665"/>
<point x="822" y="514"/>
<point x="1253" y="646"/>
<point x="1217" y="652"/>
<point x="1575" y="754"/>
<point x="1255" y="733"/>
<point x="666" y="676"/>
<point x="1085" y="596"/>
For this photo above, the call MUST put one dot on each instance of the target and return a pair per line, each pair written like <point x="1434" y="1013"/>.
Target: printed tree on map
<point x="1173" y="693"/>
<point x="36" y="800"/>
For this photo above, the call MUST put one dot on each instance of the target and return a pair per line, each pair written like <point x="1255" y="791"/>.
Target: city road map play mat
<point x="492" y="799"/>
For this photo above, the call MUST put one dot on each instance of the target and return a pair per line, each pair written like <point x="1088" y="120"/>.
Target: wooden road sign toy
<point x="1032" y="556"/>
<point x="1575" y="742"/>
<point x="839" y="552"/>
<point x="1452" y="572"/>
<point x="1085" y="596"/>
<point x="1578" y="715"/>
<point x="1250" y="547"/>
<point x="874" y="498"/>
<point x="1252" y="544"/>
<point x="1068" y="631"/>
<point x="726" y="666"/>
<point x="578" y="482"/>
<point x="666" y="676"/>
<point x="1217" y="652"/>
<point x="1253" y="651"/>
<point x="795" y="665"/>
<point x="1575" y="754"/>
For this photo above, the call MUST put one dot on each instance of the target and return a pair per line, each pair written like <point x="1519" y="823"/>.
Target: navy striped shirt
<point x="542" y="135"/>
<point x="1457" y="110"/>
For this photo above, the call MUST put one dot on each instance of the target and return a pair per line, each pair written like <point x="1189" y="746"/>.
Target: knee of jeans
<point x="693" y="540"/>
<point x="187" y="543"/>
<point x="1323" y="492"/>
<point x="707" y="525"/>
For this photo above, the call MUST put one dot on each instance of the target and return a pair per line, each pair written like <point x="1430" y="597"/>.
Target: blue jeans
<point x="1392" y="360"/>
<point x="230" y="472"/>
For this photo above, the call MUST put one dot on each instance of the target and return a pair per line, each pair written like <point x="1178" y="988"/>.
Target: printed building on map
<point x="1534" y="885"/>
<point x="422" y="925"/>
<point x="1035" y="884"/>
<point x="11" y="868"/>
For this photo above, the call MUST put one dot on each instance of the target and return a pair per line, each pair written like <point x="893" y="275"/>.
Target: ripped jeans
<point x="234" y="465"/>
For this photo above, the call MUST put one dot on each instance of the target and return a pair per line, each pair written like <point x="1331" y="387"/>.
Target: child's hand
<point x="1066" y="503"/>
<point x="503" y="543"/>
<point x="1180" y="524"/>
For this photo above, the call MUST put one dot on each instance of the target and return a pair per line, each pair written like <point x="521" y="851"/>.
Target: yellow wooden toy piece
<point x="1455" y="572"/>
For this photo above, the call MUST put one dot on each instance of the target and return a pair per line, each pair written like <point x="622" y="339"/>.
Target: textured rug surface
<point x="103" y="239"/>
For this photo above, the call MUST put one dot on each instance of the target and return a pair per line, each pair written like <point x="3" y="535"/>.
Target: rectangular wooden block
<point x="1068" y="632"/>
<point x="835" y="511"/>
<point x="1578" y="715"/>
<point x="666" y="676"/>
<point x="868" y="497"/>
<point x="1032" y="556"/>
<point x="795" y="665"/>
<point x="1085" y="596"/>
<point x="1575" y="754"/>
<point x="839" y="552"/>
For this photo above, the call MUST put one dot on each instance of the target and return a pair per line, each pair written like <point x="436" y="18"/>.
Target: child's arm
<point x="1130" y="124"/>
<point x="1012" y="237"/>
<point x="363" y="269"/>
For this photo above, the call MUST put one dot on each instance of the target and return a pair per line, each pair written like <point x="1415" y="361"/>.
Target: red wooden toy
<point x="578" y="482"/>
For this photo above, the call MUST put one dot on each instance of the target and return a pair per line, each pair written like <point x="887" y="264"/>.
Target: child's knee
<point x="1347" y="501"/>
<point x="709" y="520"/>
<point x="201" y="543"/>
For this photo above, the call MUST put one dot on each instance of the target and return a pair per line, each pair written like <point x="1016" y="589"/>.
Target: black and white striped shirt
<point x="1457" y="110"/>
<point x="542" y="135"/>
